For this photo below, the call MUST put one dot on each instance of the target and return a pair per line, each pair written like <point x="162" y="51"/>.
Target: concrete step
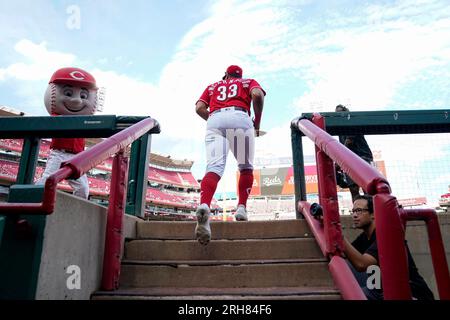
<point x="218" y="262"/>
<point x="184" y="230"/>
<point x="296" y="274"/>
<point x="294" y="248"/>
<point x="268" y="293"/>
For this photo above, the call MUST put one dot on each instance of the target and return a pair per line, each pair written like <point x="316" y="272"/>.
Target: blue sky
<point x="156" y="57"/>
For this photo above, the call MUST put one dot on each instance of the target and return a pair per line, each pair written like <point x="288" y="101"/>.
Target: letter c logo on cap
<point x="77" y="75"/>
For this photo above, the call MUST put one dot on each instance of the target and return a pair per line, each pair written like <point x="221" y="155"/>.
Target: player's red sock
<point x="245" y="186"/>
<point x="208" y="187"/>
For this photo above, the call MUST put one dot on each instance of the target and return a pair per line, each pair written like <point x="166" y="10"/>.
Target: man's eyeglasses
<point x="358" y="211"/>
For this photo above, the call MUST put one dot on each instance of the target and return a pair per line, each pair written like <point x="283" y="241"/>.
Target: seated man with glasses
<point x="363" y="253"/>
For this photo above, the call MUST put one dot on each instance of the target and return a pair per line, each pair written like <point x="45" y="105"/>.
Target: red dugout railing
<point x="340" y="271"/>
<point x="436" y="244"/>
<point x="79" y="165"/>
<point x="100" y="187"/>
<point x="390" y="232"/>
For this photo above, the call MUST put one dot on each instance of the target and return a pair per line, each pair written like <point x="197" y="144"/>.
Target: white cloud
<point x="372" y="65"/>
<point x="362" y="60"/>
<point x="201" y="58"/>
<point x="40" y="65"/>
<point x="125" y="95"/>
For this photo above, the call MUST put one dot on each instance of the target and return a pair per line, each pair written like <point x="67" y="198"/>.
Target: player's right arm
<point x="201" y="106"/>
<point x="258" y="104"/>
<point x="202" y="109"/>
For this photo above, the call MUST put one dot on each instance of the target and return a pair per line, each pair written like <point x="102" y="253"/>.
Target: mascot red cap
<point x="73" y="76"/>
<point x="71" y="91"/>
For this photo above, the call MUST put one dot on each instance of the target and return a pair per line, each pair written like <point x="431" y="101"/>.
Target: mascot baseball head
<point x="71" y="91"/>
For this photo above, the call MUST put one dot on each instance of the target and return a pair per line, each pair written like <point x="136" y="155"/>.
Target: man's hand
<point x="256" y="128"/>
<point x="348" y="141"/>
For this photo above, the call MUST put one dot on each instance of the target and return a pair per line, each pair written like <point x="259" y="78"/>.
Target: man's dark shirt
<point x="419" y="288"/>
<point x="359" y="146"/>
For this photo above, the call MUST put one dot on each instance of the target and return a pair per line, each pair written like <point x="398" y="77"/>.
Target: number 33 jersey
<point x="235" y="92"/>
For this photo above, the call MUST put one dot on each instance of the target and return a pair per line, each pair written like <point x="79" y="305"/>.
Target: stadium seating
<point x="188" y="179"/>
<point x="180" y="179"/>
<point x="8" y="170"/>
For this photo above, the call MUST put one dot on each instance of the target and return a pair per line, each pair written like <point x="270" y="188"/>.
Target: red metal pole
<point x="328" y="197"/>
<point x="390" y="239"/>
<point x="80" y="164"/>
<point x="114" y="224"/>
<point x="436" y="244"/>
<point x="315" y="226"/>
<point x="345" y="280"/>
<point x="438" y="256"/>
<point x="342" y="275"/>
<point x="48" y="203"/>
<point x="391" y="248"/>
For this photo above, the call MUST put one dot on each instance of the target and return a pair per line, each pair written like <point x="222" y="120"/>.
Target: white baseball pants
<point x="56" y="157"/>
<point x="229" y="129"/>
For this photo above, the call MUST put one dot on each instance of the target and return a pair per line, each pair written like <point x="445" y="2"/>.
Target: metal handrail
<point x="393" y="257"/>
<point x="79" y="165"/>
<point x="436" y="244"/>
<point x="340" y="271"/>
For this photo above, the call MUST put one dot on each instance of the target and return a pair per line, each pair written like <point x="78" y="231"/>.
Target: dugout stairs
<point x="245" y="260"/>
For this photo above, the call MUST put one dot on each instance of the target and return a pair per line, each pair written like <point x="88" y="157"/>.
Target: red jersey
<point x="72" y="145"/>
<point x="228" y="93"/>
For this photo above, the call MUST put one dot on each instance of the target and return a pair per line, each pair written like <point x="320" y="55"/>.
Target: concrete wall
<point x="74" y="235"/>
<point x="417" y="237"/>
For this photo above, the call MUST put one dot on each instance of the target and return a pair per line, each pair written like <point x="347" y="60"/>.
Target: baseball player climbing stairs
<point x="244" y="260"/>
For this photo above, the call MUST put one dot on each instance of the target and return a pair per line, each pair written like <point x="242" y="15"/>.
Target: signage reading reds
<point x="311" y="179"/>
<point x="280" y="181"/>
<point x="275" y="181"/>
<point x="291" y="180"/>
<point x="272" y="180"/>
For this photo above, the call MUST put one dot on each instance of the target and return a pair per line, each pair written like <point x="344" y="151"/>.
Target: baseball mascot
<point x="71" y="91"/>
